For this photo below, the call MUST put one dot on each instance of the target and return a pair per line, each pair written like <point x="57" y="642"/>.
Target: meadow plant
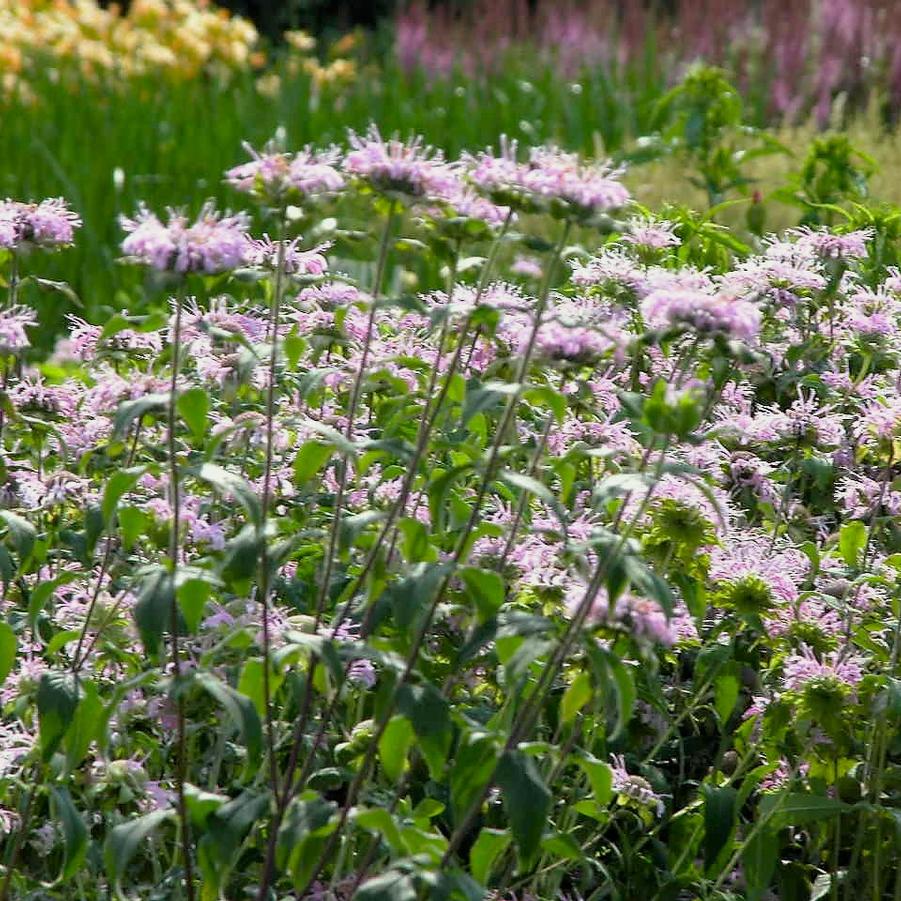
<point x="573" y="573"/>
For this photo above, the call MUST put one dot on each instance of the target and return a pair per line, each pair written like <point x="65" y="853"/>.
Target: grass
<point x="106" y="148"/>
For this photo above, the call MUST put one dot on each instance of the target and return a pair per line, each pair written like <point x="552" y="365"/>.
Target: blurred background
<point x="766" y="104"/>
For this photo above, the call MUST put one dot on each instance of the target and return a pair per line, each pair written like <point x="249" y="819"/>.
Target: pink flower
<point x="706" y="313"/>
<point x="48" y="224"/>
<point x="278" y="177"/>
<point x="550" y="179"/>
<point x="264" y="252"/>
<point x="802" y="668"/>
<point x="397" y="167"/>
<point x="213" y="243"/>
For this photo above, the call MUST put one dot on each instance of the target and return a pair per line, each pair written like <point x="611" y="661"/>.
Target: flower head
<point x="280" y="177"/>
<point x="265" y="252"/>
<point x="213" y="243"/>
<point x="549" y="180"/>
<point x="406" y="168"/>
<point x="706" y="313"/>
<point x="48" y="224"/>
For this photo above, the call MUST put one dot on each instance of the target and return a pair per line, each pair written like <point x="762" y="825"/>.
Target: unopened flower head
<point x="213" y="243"/>
<point x="48" y="224"/>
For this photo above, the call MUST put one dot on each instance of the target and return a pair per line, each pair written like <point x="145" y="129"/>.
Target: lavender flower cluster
<point x="658" y="497"/>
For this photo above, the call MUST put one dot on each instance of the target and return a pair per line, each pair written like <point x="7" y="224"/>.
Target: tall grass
<point x="106" y="147"/>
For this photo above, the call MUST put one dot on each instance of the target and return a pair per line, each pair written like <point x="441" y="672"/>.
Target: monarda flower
<point x="405" y="169"/>
<point x="212" y="244"/>
<point x="878" y="422"/>
<point x="708" y="314"/>
<point x="642" y="618"/>
<point x="568" y="342"/>
<point x="863" y="497"/>
<point x="634" y="789"/>
<point x="13" y="323"/>
<point x="804" y="669"/>
<point x="48" y="224"/>
<point x="280" y="178"/>
<point x="752" y="576"/>
<point x="612" y="273"/>
<point x="264" y="252"/>
<point x="551" y="180"/>
<point x="832" y="246"/>
<point x="651" y="234"/>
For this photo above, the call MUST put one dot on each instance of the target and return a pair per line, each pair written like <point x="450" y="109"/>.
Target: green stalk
<point x="281" y="801"/>
<point x="264" y="588"/>
<point x="459" y="554"/>
<point x="181" y="729"/>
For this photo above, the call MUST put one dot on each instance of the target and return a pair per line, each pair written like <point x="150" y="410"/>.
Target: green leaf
<point x="193" y="406"/>
<point x="527" y="483"/>
<point x="226" y="828"/>
<point x="133" y="523"/>
<point x="75" y="833"/>
<point x="394" y="745"/>
<point x="22" y="533"/>
<point x="251" y="683"/>
<point x="759" y="860"/>
<point x="390" y="886"/>
<point x="7" y="650"/>
<point x="482" y="398"/>
<point x="429" y="713"/>
<point x="618" y="683"/>
<point x="576" y="696"/>
<point x="527" y="802"/>
<point x="242" y="558"/>
<point x="411" y="597"/>
<point x="125" y="839"/>
<point x="380" y="821"/>
<point x="416" y="547"/>
<point x="720" y="811"/>
<point x="490" y="844"/>
<point x="725" y="694"/>
<point x="85" y="725"/>
<point x="153" y="607"/>
<point x="131" y="410"/>
<point x="201" y="804"/>
<point x="301" y="838"/>
<point x="192" y="595"/>
<point x="797" y="808"/>
<point x="118" y="485"/>
<point x="310" y="459"/>
<point x="57" y="700"/>
<point x="472" y="768"/>
<point x="545" y="396"/>
<point x="230" y="484"/>
<point x="852" y="539"/>
<point x="599" y="774"/>
<point x="486" y="589"/>
<point x="243" y="714"/>
<point x="42" y="593"/>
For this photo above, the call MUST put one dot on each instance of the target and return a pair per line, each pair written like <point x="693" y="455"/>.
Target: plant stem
<point x="458" y="556"/>
<point x="264" y="586"/>
<point x="281" y="801"/>
<point x="175" y="500"/>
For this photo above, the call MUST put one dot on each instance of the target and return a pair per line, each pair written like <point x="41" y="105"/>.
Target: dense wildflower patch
<point x="573" y="574"/>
